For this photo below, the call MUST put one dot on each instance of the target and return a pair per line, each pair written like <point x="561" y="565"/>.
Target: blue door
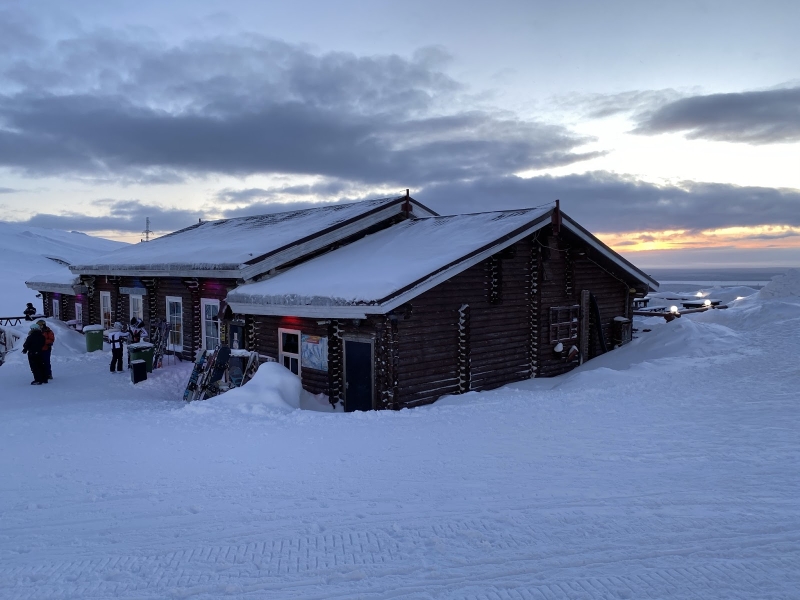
<point x="357" y="375"/>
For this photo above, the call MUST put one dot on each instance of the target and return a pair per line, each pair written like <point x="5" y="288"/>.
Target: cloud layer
<point x="600" y="201"/>
<point x="123" y="105"/>
<point x="761" y="117"/>
<point x="607" y="202"/>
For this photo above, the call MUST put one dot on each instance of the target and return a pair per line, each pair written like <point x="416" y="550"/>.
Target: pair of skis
<point x="160" y="341"/>
<point x="207" y="373"/>
<point x="219" y="371"/>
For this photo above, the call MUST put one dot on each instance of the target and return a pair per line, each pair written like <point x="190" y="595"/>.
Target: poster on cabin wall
<point x="314" y="352"/>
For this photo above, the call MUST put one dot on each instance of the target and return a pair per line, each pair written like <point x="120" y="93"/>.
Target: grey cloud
<point x="5" y="190"/>
<point x="764" y="117"/>
<point x="123" y="215"/>
<point x="250" y="195"/>
<point x="634" y="102"/>
<point x="606" y="202"/>
<point x="112" y="104"/>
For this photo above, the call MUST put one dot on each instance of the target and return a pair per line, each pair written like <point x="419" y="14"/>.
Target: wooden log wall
<point x="556" y="280"/>
<point x="612" y="297"/>
<point x="265" y="341"/>
<point x="46" y="304"/>
<point x="154" y="302"/>
<point x="431" y="343"/>
<point x="385" y="363"/>
<point x="335" y="362"/>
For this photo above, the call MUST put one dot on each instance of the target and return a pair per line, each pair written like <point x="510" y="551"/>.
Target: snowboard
<point x="216" y="369"/>
<point x="235" y="371"/>
<point x="198" y="368"/>
<point x="205" y="374"/>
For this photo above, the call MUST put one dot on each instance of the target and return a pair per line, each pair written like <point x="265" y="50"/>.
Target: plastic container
<point x="138" y="371"/>
<point x="142" y="351"/>
<point x="94" y="337"/>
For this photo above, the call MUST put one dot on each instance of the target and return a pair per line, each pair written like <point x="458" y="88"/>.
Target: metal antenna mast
<point x="147" y="231"/>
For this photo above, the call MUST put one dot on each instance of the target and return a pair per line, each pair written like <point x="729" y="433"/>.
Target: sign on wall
<point x="314" y="352"/>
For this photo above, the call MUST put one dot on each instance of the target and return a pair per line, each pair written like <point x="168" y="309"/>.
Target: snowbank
<point x="782" y="286"/>
<point x="272" y="389"/>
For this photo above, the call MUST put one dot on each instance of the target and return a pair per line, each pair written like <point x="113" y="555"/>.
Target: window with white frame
<point x="289" y="349"/>
<point x="137" y="310"/>
<point x="78" y="313"/>
<point x="564" y="323"/>
<point x="210" y="311"/>
<point x="56" y="308"/>
<point x="175" y="320"/>
<point x="105" y="310"/>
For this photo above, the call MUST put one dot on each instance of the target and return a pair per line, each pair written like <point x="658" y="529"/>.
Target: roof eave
<point x="56" y="288"/>
<point x="167" y="271"/>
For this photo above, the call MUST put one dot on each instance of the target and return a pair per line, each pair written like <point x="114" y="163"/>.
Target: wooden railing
<point x="11" y="321"/>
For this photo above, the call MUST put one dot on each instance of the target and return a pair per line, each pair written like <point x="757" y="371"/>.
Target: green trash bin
<point x="94" y="337"/>
<point x="142" y="351"/>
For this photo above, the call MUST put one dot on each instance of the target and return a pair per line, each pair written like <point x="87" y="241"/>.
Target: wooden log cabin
<point x="444" y="305"/>
<point x="183" y="277"/>
<point x="382" y="304"/>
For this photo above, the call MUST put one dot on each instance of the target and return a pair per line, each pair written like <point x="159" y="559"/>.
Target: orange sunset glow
<point x="755" y="237"/>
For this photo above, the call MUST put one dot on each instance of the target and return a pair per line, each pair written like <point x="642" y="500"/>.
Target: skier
<point x="29" y="312"/>
<point x="137" y="330"/>
<point x="49" y="340"/>
<point x="33" y="348"/>
<point x="116" y="337"/>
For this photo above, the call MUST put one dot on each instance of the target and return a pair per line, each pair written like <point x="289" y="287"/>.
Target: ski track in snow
<point x="648" y="473"/>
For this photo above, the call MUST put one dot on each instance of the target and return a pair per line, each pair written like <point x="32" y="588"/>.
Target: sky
<point x="670" y="130"/>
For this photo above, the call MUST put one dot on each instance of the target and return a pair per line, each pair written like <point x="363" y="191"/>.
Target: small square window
<point x="564" y="323"/>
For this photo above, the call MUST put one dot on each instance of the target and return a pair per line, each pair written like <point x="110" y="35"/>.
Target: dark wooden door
<point x="357" y="375"/>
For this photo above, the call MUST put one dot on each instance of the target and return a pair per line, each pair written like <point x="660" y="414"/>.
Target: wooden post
<point x="533" y="308"/>
<point x="583" y="334"/>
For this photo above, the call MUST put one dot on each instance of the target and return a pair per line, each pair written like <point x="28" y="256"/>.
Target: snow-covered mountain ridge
<point x="28" y="251"/>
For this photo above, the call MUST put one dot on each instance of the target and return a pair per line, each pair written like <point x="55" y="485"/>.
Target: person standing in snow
<point x="137" y="330"/>
<point x="49" y="340"/>
<point x="33" y="348"/>
<point x="29" y="312"/>
<point x="116" y="337"/>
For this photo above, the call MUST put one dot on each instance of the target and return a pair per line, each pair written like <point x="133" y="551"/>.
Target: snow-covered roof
<point x="248" y="246"/>
<point x="381" y="271"/>
<point x="60" y="281"/>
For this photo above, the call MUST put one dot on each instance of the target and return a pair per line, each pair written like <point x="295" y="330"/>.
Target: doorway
<point x="358" y="364"/>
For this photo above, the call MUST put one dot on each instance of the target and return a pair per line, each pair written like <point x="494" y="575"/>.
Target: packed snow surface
<point x="669" y="468"/>
<point x="28" y="251"/>
<point x="782" y="286"/>
<point x="229" y="243"/>
<point x="380" y="264"/>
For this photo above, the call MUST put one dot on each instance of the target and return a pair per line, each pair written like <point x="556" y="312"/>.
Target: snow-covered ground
<point x="26" y="252"/>
<point x="669" y="468"/>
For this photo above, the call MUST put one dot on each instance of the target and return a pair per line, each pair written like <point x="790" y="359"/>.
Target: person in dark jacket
<point x="49" y="340"/>
<point x="116" y="337"/>
<point x="33" y="348"/>
<point x="29" y="312"/>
